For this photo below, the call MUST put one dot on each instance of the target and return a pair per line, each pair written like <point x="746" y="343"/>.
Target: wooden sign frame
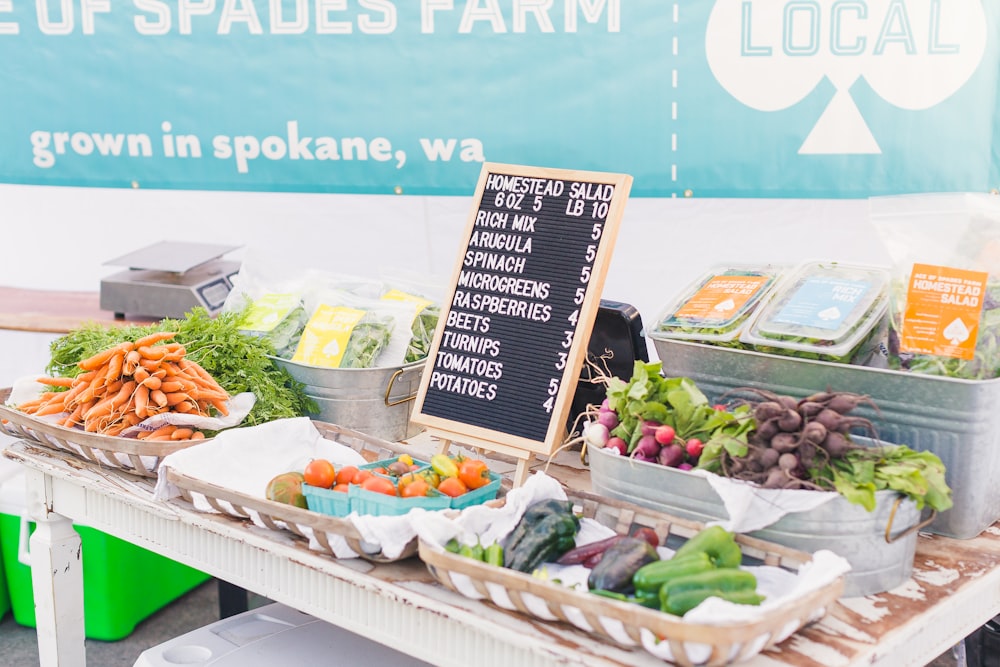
<point x="579" y="220"/>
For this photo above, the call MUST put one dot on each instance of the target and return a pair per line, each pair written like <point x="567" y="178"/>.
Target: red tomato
<point x="321" y="473"/>
<point x="452" y="486"/>
<point x="473" y="473"/>
<point x="379" y="485"/>
<point x="346" y="474"/>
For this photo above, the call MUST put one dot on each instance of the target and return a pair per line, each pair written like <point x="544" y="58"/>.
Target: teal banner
<point x="731" y="98"/>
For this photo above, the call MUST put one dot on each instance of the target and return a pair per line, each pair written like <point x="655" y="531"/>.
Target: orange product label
<point x="943" y="306"/>
<point x="721" y="297"/>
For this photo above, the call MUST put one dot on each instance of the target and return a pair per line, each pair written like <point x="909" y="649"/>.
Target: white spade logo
<point x="828" y="314"/>
<point x="956" y="332"/>
<point x="770" y="54"/>
<point x="331" y="349"/>
<point x="724" y="306"/>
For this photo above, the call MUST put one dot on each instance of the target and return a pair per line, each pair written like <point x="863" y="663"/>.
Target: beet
<point x="767" y="410"/>
<point x="814" y="432"/>
<point x="784" y="442"/>
<point x="790" y="421"/>
<point x="836" y="445"/>
<point x="844" y="402"/>
<point x="769" y="458"/>
<point x="830" y="419"/>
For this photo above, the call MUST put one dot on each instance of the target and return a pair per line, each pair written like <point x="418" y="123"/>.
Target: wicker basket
<point x="301" y="522"/>
<point x="139" y="457"/>
<point x="632" y="625"/>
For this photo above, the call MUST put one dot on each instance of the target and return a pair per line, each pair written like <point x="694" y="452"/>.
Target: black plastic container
<point x="618" y="331"/>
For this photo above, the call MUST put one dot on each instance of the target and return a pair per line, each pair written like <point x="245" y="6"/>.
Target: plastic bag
<point x="426" y="296"/>
<point x="944" y="313"/>
<point x="349" y="331"/>
<point x="279" y="297"/>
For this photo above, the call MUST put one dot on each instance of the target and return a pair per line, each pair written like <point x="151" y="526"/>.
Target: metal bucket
<point x="880" y="545"/>
<point x="955" y="419"/>
<point x="375" y="401"/>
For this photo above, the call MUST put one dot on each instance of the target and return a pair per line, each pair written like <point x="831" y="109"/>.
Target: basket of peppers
<point x="631" y="587"/>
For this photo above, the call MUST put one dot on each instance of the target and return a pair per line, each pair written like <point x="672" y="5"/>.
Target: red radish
<point x="649" y="427"/>
<point x="664" y="434"/>
<point x="647" y="447"/>
<point x="608" y="417"/>
<point x="685" y="466"/>
<point x="693" y="447"/>
<point x="671" y="455"/>
<point x="617" y="445"/>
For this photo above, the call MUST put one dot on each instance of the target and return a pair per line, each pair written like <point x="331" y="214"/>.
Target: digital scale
<point x="168" y="279"/>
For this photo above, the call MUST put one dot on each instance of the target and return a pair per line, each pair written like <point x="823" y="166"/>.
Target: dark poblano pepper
<point x="619" y="564"/>
<point x="532" y="515"/>
<point x="546" y="539"/>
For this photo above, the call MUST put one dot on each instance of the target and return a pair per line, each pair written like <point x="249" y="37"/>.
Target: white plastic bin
<point x="273" y="634"/>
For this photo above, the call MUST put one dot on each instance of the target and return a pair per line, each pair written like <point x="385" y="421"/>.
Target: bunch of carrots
<point x="129" y="382"/>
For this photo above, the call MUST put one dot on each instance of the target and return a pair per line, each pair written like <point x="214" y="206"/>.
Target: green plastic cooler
<point x="122" y="583"/>
<point x="8" y="470"/>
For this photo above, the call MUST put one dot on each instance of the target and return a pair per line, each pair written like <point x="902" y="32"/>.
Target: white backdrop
<point x="58" y="238"/>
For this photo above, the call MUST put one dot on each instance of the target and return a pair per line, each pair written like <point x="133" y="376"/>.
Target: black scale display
<point x="526" y="289"/>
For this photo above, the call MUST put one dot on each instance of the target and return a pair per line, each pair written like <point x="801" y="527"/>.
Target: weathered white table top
<point x="955" y="586"/>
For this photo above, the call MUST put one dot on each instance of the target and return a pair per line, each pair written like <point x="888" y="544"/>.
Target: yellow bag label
<point x="397" y="295"/>
<point x="943" y="306"/>
<point x="266" y="312"/>
<point x="721" y="297"/>
<point x="325" y="337"/>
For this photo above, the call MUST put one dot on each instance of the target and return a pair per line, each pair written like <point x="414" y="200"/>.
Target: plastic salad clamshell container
<point x="828" y="311"/>
<point x="715" y="308"/>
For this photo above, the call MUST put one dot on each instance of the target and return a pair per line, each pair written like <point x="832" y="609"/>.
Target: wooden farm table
<point x="955" y="586"/>
<point x="46" y="311"/>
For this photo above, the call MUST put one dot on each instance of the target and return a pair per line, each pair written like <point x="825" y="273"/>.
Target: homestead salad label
<point x="943" y="306"/>
<point x="721" y="297"/>
<point x="515" y="329"/>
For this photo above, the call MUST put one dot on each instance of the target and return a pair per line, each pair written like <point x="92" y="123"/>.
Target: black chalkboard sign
<point x="513" y="332"/>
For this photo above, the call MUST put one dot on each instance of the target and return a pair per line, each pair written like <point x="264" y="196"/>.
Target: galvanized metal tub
<point x="958" y="420"/>
<point x="877" y="564"/>
<point x="374" y="401"/>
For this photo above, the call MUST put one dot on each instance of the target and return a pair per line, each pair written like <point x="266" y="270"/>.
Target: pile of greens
<point x="677" y="402"/>
<point x="238" y="362"/>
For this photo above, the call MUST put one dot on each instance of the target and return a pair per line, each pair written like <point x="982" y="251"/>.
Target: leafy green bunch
<point x="648" y="396"/>
<point x="238" y="362"/>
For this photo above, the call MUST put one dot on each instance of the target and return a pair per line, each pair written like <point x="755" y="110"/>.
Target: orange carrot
<point x="157" y="396"/>
<point x="102" y="358"/>
<point x="56" y="382"/>
<point x="182" y="433"/>
<point x="153" y="338"/>
<point x="141" y="399"/>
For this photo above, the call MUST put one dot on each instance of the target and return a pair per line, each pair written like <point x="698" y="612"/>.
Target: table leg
<point x="233" y="599"/>
<point x="57" y="582"/>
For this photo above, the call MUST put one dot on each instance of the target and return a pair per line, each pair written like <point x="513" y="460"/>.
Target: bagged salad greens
<point x="349" y="331"/>
<point x="944" y="316"/>
<point x="425" y="295"/>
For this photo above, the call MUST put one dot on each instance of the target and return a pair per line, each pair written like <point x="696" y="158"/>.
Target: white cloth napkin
<point x="246" y="459"/>
<point x="752" y="508"/>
